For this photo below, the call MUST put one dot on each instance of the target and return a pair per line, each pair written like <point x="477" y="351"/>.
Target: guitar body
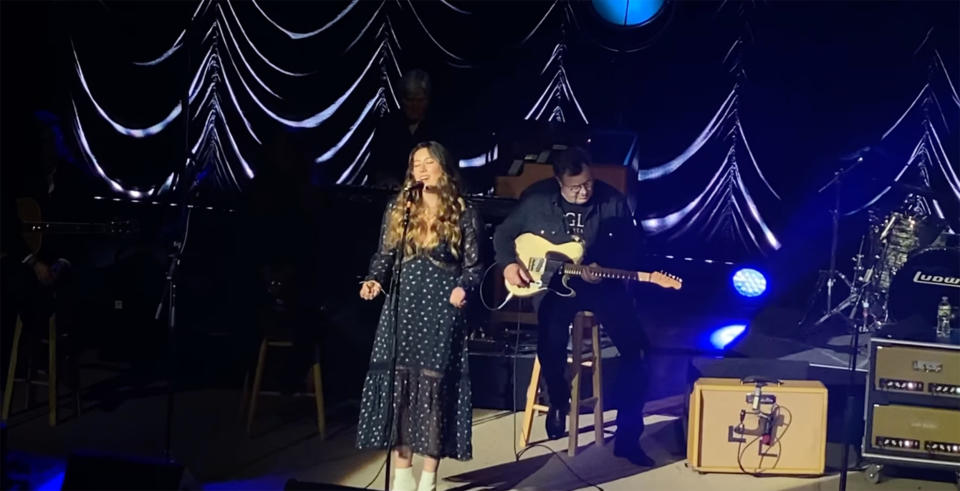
<point x="543" y="259"/>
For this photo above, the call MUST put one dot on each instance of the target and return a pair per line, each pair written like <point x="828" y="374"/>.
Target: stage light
<point x="54" y="483"/>
<point x="628" y="12"/>
<point x="722" y="337"/>
<point x="749" y="282"/>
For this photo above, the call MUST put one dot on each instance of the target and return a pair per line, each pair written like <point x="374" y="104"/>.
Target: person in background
<point x="30" y="276"/>
<point x="399" y="131"/>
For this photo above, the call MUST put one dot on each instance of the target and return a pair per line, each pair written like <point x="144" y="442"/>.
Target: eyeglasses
<point x="585" y="186"/>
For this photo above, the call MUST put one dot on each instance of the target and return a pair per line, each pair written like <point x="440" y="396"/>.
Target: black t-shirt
<point x="574" y="216"/>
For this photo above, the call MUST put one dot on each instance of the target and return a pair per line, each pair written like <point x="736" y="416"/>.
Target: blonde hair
<point x="424" y="233"/>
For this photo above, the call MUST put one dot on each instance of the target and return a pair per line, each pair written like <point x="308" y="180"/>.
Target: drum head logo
<point x="929" y="279"/>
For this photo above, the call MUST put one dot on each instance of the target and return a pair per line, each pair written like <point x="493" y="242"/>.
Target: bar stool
<point x="280" y="320"/>
<point x="584" y="323"/>
<point x="253" y="395"/>
<point x="53" y="336"/>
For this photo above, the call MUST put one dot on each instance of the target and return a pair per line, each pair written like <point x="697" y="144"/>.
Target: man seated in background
<point x="30" y="274"/>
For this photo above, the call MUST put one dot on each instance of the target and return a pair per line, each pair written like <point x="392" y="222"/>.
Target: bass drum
<point x="927" y="277"/>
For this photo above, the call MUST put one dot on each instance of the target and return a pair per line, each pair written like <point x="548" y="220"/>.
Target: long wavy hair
<point x="429" y="230"/>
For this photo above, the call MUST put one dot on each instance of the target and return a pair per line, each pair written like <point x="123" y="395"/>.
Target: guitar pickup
<point x="536" y="264"/>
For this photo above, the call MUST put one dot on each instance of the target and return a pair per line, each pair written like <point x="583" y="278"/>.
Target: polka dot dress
<point x="431" y="403"/>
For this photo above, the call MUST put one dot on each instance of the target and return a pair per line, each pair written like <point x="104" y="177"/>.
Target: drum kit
<point x="907" y="262"/>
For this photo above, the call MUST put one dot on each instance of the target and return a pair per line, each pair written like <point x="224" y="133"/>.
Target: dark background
<point x="822" y="80"/>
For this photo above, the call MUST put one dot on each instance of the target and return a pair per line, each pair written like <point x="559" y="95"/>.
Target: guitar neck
<point x="606" y="273"/>
<point x="66" y="227"/>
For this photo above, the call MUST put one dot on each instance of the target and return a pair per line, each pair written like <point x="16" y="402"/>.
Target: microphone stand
<point x="169" y="296"/>
<point x="837" y="182"/>
<point x="409" y="197"/>
<point x="849" y="395"/>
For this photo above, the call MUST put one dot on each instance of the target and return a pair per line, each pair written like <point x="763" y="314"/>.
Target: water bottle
<point x="943" y="317"/>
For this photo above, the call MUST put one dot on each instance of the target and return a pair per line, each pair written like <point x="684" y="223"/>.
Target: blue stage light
<point x="627" y="12"/>
<point x="726" y="335"/>
<point x="54" y="483"/>
<point x="749" y="282"/>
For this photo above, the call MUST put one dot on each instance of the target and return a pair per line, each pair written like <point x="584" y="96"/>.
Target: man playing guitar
<point x="29" y="273"/>
<point x="594" y="213"/>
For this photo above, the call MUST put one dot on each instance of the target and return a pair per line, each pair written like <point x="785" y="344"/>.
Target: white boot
<point x="428" y="481"/>
<point x="403" y="479"/>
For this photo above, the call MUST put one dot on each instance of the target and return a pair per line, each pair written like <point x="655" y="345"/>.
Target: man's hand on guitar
<point x="516" y="275"/>
<point x="589" y="276"/>
<point x="369" y="290"/>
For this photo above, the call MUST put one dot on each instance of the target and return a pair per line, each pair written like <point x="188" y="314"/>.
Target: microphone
<point x="410" y="190"/>
<point x="413" y="186"/>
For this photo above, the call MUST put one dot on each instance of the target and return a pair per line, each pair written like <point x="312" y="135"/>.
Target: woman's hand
<point x="458" y="297"/>
<point x="369" y="290"/>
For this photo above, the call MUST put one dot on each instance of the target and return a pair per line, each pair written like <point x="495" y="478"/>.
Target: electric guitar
<point x="544" y="260"/>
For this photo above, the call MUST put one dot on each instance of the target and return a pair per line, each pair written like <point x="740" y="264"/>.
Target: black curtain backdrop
<point x="814" y="82"/>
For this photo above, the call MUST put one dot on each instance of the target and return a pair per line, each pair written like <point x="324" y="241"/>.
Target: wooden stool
<point x="268" y="342"/>
<point x="52" y="380"/>
<point x="583" y="322"/>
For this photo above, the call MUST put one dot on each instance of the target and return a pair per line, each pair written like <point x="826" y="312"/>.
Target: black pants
<point x="615" y="310"/>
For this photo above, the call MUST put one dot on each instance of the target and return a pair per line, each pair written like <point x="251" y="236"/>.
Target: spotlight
<point x="726" y="335"/>
<point x="627" y="13"/>
<point x="749" y="282"/>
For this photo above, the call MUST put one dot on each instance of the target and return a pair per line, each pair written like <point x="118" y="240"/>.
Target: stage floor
<point x="209" y="438"/>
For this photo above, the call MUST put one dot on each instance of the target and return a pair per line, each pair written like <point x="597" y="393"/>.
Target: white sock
<point x="428" y="481"/>
<point x="403" y="479"/>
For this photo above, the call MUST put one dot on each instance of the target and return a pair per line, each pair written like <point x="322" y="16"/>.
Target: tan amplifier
<point x="736" y="427"/>
<point x="913" y="434"/>
<point x="917" y="368"/>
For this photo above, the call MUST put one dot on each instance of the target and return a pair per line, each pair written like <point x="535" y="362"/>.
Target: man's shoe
<point x="555" y="422"/>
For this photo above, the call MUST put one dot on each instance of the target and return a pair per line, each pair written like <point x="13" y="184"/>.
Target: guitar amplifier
<point x="779" y="428"/>
<point x="913" y="434"/>
<point x="912" y="368"/>
<point x="913" y="404"/>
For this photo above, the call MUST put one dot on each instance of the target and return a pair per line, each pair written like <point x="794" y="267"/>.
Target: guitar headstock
<point x="666" y="280"/>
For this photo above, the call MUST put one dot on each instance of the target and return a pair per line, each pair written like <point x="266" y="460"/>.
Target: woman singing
<point x="431" y="410"/>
